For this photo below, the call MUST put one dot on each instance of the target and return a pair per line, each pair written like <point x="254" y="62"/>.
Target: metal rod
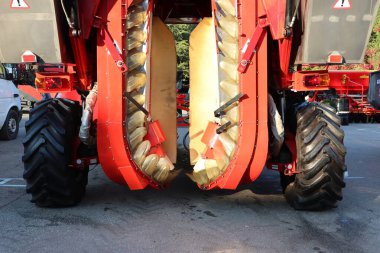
<point x="140" y="107"/>
<point x="220" y="111"/>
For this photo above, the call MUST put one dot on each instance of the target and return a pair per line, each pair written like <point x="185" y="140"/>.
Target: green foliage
<point x="373" y="51"/>
<point x="182" y="36"/>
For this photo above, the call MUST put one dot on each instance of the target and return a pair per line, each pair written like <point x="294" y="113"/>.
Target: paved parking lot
<point x="254" y="218"/>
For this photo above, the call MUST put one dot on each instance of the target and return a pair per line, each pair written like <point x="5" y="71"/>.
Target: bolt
<point x="79" y="161"/>
<point x="120" y="63"/>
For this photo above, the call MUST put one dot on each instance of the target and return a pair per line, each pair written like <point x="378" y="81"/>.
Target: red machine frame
<point x="109" y="18"/>
<point x="353" y="85"/>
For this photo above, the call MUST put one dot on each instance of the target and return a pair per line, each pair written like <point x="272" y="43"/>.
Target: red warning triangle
<point x="342" y="4"/>
<point x="19" y="4"/>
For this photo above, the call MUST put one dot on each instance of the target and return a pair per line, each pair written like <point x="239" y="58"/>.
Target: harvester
<point x="113" y="62"/>
<point x="348" y="92"/>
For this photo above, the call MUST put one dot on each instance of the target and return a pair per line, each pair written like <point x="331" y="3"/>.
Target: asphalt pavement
<point x="254" y="218"/>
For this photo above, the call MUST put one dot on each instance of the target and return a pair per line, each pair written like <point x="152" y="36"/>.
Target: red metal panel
<point x="83" y="69"/>
<point x="112" y="147"/>
<point x="275" y="10"/>
<point x="285" y="49"/>
<point x="260" y="153"/>
<point x="253" y="141"/>
<point x="258" y="35"/>
<point x="349" y="81"/>
<point x="87" y="10"/>
<point x="31" y="91"/>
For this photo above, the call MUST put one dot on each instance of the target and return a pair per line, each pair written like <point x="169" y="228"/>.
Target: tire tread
<point x="321" y="154"/>
<point x="50" y="133"/>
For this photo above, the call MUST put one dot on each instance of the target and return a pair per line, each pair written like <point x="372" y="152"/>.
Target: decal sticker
<point x="19" y="4"/>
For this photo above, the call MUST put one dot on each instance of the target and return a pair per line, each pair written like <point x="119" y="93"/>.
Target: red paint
<point x="252" y="146"/>
<point x="31" y="91"/>
<point x="249" y="157"/>
<point x="29" y="58"/>
<point x="275" y="11"/>
<point x="155" y="134"/>
<point x="251" y="49"/>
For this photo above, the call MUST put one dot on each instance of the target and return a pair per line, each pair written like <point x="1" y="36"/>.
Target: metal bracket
<point x="111" y="45"/>
<point x="221" y="110"/>
<point x="223" y="128"/>
<point x="252" y="45"/>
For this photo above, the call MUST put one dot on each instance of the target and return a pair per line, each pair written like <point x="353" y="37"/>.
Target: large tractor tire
<point x="48" y="150"/>
<point x="321" y="159"/>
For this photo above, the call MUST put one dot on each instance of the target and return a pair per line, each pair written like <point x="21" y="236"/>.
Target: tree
<point x="182" y="36"/>
<point x="373" y="50"/>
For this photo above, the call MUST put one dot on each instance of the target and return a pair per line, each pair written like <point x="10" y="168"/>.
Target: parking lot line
<point x="4" y="182"/>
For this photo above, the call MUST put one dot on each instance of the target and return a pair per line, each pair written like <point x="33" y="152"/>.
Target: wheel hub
<point x="12" y="125"/>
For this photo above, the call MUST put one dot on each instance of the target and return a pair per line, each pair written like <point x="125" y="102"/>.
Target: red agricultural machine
<point x="114" y="63"/>
<point x="348" y="93"/>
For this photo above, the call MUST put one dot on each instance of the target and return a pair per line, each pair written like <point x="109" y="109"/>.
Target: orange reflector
<point x="335" y="58"/>
<point x="317" y="80"/>
<point x="52" y="82"/>
<point x="28" y="57"/>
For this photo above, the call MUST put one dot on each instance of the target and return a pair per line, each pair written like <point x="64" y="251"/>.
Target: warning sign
<point x="19" y="4"/>
<point x="342" y="4"/>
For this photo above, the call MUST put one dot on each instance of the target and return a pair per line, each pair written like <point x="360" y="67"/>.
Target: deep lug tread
<point x="321" y="155"/>
<point x="34" y="131"/>
<point x="33" y="148"/>
<point x="308" y="120"/>
<point x="35" y="183"/>
<point x="305" y="113"/>
<point x="54" y="143"/>
<point x="312" y="130"/>
<point x="311" y="169"/>
<point x="39" y="106"/>
<point x="328" y="113"/>
<point x="336" y="144"/>
<point x="326" y="107"/>
<point x="33" y="166"/>
<point x="314" y="149"/>
<point x="312" y="185"/>
<point x="38" y="115"/>
<point x="51" y="131"/>
<point x="335" y="128"/>
<point x="309" y="132"/>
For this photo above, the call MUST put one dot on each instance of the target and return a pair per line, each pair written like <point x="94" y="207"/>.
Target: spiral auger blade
<point x="206" y="170"/>
<point x="157" y="167"/>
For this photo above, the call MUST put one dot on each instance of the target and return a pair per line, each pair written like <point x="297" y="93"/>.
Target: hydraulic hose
<point x="84" y="132"/>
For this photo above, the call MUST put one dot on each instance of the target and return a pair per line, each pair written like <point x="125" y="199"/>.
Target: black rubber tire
<point x="285" y="181"/>
<point x="50" y="133"/>
<point x="6" y="133"/>
<point x="321" y="157"/>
